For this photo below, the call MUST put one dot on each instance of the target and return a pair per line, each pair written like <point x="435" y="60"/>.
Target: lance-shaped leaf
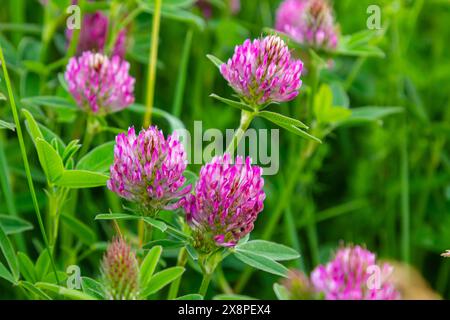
<point x="232" y="103"/>
<point x="282" y="119"/>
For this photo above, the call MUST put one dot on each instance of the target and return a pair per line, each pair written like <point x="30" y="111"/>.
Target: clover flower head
<point x="309" y="22"/>
<point x="99" y="84"/>
<point x="227" y="200"/>
<point x="262" y="71"/>
<point x="148" y="169"/>
<point x="93" y="34"/>
<point x="354" y="274"/>
<point x="120" y="271"/>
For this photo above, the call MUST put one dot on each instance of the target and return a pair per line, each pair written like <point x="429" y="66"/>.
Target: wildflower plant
<point x="119" y="204"/>
<point x="262" y="72"/>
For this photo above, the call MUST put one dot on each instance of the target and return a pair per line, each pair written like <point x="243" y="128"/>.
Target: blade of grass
<point x="182" y="74"/>
<point x="153" y="59"/>
<point x="8" y="194"/>
<point x="25" y="160"/>
<point x="292" y="235"/>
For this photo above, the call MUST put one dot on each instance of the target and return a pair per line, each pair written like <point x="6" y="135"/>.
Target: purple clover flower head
<point x="93" y="32"/>
<point x="93" y="35"/>
<point x="228" y="198"/>
<point x="353" y="275"/>
<point x="99" y="84"/>
<point x="263" y="71"/>
<point x="148" y="169"/>
<point x="120" y="271"/>
<point x="309" y="22"/>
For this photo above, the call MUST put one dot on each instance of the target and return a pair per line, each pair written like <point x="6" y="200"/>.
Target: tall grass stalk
<point x="25" y="161"/>
<point x="182" y="75"/>
<point x="153" y="60"/>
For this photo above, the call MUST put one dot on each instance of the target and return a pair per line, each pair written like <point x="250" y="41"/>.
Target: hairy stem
<point x="175" y="285"/>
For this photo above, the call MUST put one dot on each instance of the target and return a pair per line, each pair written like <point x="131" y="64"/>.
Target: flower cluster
<point x="148" y="169"/>
<point x="120" y="271"/>
<point x="308" y="22"/>
<point x="228" y="198"/>
<point x="93" y="35"/>
<point x="353" y="274"/>
<point x="99" y="84"/>
<point x="263" y="71"/>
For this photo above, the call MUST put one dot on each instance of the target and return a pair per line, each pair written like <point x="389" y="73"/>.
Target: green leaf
<point x="370" y="114"/>
<point x="13" y="224"/>
<point x="299" y="132"/>
<point x="50" y="101"/>
<point x="42" y="265"/>
<point x="5" y="274"/>
<point x="161" y="279"/>
<point x="26" y="267"/>
<point x="165" y="243"/>
<point x="192" y="296"/>
<point x="9" y="254"/>
<point x="282" y="119"/>
<point x="192" y="253"/>
<point x="324" y="110"/>
<point x="270" y="250"/>
<point x="280" y="291"/>
<point x="174" y="12"/>
<point x="232" y="297"/>
<point x="50" y="160"/>
<point x="81" y="179"/>
<point x="32" y="126"/>
<point x="217" y="62"/>
<point x="262" y="263"/>
<point x="359" y="44"/>
<point x="116" y="216"/>
<point x="98" y="159"/>
<point x="92" y="288"/>
<point x="232" y="103"/>
<point x="65" y="292"/>
<point x="79" y="229"/>
<point x="7" y="125"/>
<point x="30" y="287"/>
<point x="149" y="264"/>
<point x="158" y="224"/>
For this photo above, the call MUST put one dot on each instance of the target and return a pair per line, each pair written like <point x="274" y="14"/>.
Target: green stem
<point x="175" y="285"/>
<point x="89" y="134"/>
<point x="8" y="193"/>
<point x="25" y="161"/>
<point x="182" y="75"/>
<point x="153" y="59"/>
<point x="205" y="284"/>
<point x="405" y="212"/>
<point x="246" y="119"/>
<point x="225" y="286"/>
